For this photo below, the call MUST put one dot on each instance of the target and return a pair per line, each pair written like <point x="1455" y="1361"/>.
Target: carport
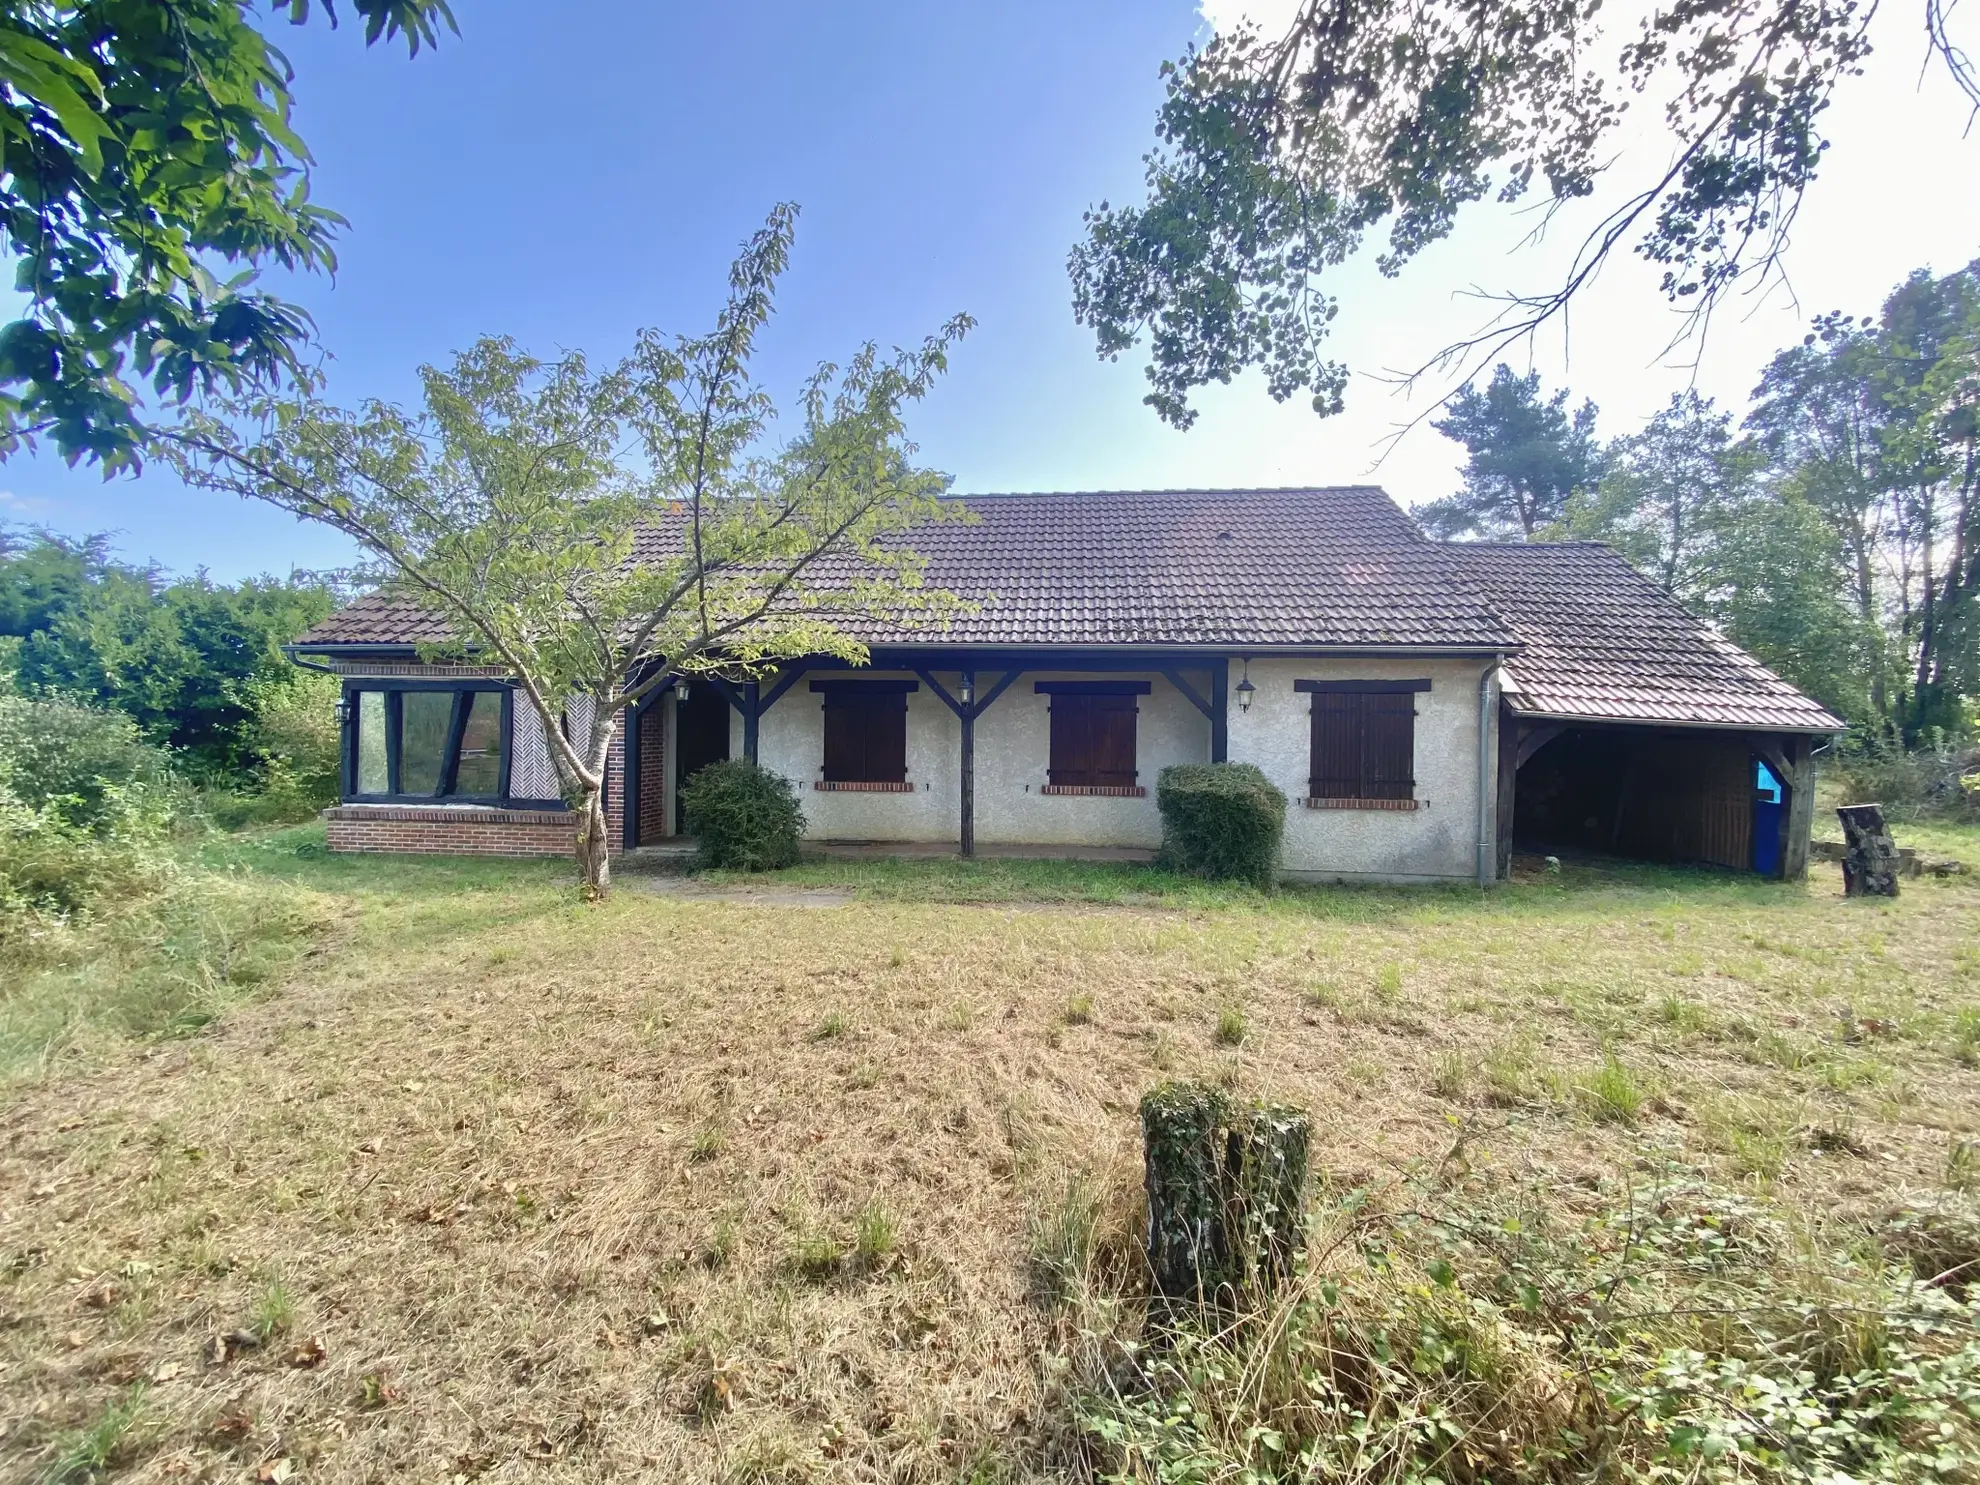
<point x="1628" y="727"/>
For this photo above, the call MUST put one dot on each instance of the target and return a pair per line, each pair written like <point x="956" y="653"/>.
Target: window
<point x="865" y="734"/>
<point x="1364" y="740"/>
<point x="426" y="742"/>
<point x="1093" y="735"/>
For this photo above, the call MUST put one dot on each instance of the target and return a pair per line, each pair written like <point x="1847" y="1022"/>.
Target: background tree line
<point x="1833" y="532"/>
<point x="196" y="667"/>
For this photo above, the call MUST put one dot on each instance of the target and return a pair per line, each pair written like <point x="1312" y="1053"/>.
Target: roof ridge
<point x="1220" y="490"/>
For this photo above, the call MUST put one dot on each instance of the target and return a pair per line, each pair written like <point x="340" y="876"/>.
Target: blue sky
<point x="566" y="180"/>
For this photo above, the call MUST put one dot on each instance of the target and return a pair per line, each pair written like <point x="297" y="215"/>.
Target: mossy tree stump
<point x="1870" y="858"/>
<point x="1226" y="1193"/>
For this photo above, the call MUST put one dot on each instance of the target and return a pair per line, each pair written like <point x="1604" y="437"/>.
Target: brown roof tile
<point x="1604" y="643"/>
<point x="1341" y="566"/>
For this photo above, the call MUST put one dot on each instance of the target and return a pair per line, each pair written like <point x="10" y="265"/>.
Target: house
<point x="1427" y="706"/>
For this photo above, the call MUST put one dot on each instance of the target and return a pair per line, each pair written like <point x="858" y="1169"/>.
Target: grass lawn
<point x="433" y="1172"/>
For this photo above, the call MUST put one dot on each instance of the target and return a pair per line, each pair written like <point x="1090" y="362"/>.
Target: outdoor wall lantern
<point x="681" y="690"/>
<point x="968" y="691"/>
<point x="1245" y="690"/>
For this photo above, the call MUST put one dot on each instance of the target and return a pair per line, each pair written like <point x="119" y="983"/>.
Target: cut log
<point x="1265" y="1160"/>
<point x="1870" y="858"/>
<point x="1226" y="1194"/>
<point x="1182" y="1126"/>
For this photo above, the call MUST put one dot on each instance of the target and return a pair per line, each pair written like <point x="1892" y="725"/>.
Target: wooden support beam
<point x="1798" y="819"/>
<point x="785" y="681"/>
<point x="1220" y="711"/>
<point x="1533" y="736"/>
<point x="967" y="771"/>
<point x="1509" y="738"/>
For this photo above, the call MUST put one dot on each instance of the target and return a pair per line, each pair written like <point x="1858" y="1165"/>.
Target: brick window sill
<point x="1392" y="805"/>
<point x="859" y="786"/>
<point x="1098" y="791"/>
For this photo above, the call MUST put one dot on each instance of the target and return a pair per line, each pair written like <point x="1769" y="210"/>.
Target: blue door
<point x="1769" y="800"/>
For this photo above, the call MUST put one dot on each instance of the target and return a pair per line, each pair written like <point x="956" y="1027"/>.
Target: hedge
<point x="1224" y="821"/>
<point x="747" y="817"/>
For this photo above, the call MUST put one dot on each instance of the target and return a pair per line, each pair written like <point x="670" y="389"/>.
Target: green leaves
<point x="1276" y="157"/>
<point x="594" y="530"/>
<point x="141" y="143"/>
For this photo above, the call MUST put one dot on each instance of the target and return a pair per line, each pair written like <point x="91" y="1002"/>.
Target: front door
<point x="701" y="733"/>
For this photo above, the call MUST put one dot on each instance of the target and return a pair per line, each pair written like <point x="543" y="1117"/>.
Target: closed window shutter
<point x="1388" y="747"/>
<point x="1071" y="741"/>
<point x="866" y="739"/>
<point x="1093" y="742"/>
<point x="1113" y="741"/>
<point x="1336" y="745"/>
<point x="1364" y="745"/>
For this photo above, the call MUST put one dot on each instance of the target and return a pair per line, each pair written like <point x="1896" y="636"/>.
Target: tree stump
<point x="1182" y="1130"/>
<point x="1226" y="1194"/>
<point x="1870" y="858"/>
<point x="1265" y="1163"/>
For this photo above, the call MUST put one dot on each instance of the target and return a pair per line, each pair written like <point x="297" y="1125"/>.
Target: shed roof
<point x="1605" y="643"/>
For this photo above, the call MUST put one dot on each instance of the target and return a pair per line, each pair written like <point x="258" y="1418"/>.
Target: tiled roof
<point x="1341" y="566"/>
<point x="1605" y="643"/>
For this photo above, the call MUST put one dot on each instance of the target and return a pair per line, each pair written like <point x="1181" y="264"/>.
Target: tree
<point x="146" y="144"/>
<point x="508" y="505"/>
<point x="1874" y="422"/>
<point x="1527" y="457"/>
<point x="177" y="657"/>
<point x="1276" y="159"/>
<point x="1666" y="490"/>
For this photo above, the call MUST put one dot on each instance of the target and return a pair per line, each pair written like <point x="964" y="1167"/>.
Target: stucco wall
<point x="1013" y="761"/>
<point x="1437" y="840"/>
<point x="1013" y="756"/>
<point x="791" y="741"/>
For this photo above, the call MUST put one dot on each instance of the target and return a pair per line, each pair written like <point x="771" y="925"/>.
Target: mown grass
<point x="695" y="1189"/>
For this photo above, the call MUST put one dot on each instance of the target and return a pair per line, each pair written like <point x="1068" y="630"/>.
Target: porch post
<point x="1220" y="711"/>
<point x="967" y="714"/>
<point x="1799" y="821"/>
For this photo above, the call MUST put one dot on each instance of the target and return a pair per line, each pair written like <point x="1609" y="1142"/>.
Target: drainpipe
<point x="1487" y="847"/>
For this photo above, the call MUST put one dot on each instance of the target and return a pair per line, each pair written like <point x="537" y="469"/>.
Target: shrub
<point x="747" y="817"/>
<point x="1224" y="821"/>
<point x="293" y="730"/>
<point x="1937" y="782"/>
<point x="85" y="766"/>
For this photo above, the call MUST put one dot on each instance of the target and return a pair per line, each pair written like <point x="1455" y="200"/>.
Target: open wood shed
<point x="1629" y="727"/>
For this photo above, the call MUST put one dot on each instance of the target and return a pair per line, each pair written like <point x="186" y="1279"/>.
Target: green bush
<point x="85" y="804"/>
<point x="87" y="767"/>
<point x="1224" y="821"/>
<point x="747" y="817"/>
<point x="1938" y="782"/>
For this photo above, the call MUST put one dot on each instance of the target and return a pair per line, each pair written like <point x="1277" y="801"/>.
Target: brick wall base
<point x="474" y="829"/>
<point x="456" y="830"/>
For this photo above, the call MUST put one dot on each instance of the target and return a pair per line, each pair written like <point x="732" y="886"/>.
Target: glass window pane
<point x="480" y="773"/>
<point x="424" y="720"/>
<point x="371" y="777"/>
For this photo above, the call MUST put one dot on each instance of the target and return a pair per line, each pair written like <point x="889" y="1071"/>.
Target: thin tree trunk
<point x="594" y="847"/>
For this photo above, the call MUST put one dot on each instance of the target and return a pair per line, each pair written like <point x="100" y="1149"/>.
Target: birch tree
<point x="597" y="532"/>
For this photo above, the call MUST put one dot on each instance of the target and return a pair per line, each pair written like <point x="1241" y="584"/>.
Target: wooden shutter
<point x="865" y="738"/>
<point x="1071" y="741"/>
<point x="1336" y="745"/>
<point x="1388" y="745"/>
<point x="1112" y="722"/>
<point x="1364" y="745"/>
<point x="1093" y="742"/>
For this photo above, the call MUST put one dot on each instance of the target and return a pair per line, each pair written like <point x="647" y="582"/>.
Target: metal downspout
<point x="1487" y="847"/>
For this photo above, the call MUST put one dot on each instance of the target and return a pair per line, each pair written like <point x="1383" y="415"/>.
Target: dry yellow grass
<point x="502" y="1188"/>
